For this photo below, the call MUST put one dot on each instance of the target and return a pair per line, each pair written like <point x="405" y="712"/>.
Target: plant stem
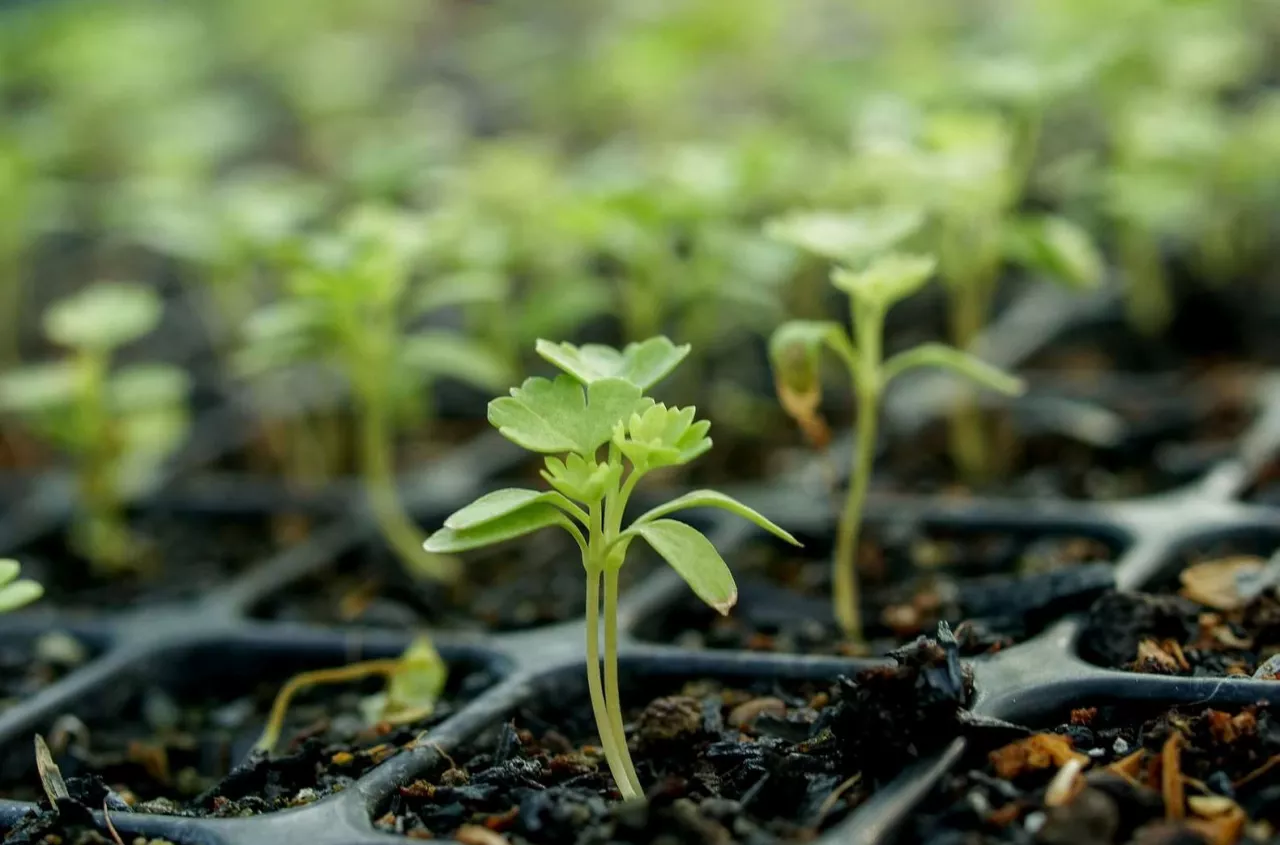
<point x="613" y="700"/>
<point x="341" y="675"/>
<point x="1148" y="301"/>
<point x="967" y="433"/>
<point x="380" y="484"/>
<point x="599" y="707"/>
<point x="848" y="607"/>
<point x="102" y="535"/>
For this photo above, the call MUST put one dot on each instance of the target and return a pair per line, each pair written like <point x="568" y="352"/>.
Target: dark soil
<point x="1190" y="775"/>
<point x="191" y="753"/>
<point x="70" y="825"/>
<point x="534" y="581"/>
<point x="1180" y="630"/>
<point x="995" y="589"/>
<point x="26" y="667"/>
<point x="182" y="556"/>
<point x="1265" y="489"/>
<point x="746" y="762"/>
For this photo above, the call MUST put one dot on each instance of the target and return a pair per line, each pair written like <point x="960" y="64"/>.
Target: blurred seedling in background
<point x="598" y="410"/>
<point x="415" y="681"/>
<point x="118" y="424"/>
<point x="355" y="304"/>
<point x="963" y="171"/>
<point x="795" y="351"/>
<point x="16" y="592"/>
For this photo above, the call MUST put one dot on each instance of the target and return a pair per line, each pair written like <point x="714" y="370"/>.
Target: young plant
<point x="16" y="592"/>
<point x="795" y="352"/>
<point x="415" y="681"/>
<point x="966" y="172"/>
<point x="353" y="305"/>
<point x="119" y="426"/>
<point x="610" y="436"/>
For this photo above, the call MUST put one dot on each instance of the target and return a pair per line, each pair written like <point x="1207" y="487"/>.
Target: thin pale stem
<point x="401" y="533"/>
<point x="969" y="446"/>
<point x="599" y="707"/>
<point x="1149" y="302"/>
<point x="846" y="593"/>
<point x="613" y="700"/>
<point x="341" y="675"/>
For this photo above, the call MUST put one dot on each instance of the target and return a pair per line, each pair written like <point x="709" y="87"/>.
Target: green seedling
<point x="119" y="424"/>
<point x="353" y="302"/>
<point x="601" y="436"/>
<point x="964" y="171"/>
<point x="16" y="592"/>
<point x="795" y="351"/>
<point x="415" y="681"/>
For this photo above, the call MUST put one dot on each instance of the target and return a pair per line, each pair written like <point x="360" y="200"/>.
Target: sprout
<point x="599" y="404"/>
<point x="119" y="425"/>
<point x="795" y="350"/>
<point x="351" y="298"/>
<point x="16" y="592"/>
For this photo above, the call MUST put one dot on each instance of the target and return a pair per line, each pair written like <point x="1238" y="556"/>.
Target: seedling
<point x="351" y="298"/>
<point x="119" y="426"/>
<point x="795" y="351"/>
<point x="599" y="405"/>
<point x="965" y="172"/>
<point x="16" y="592"/>
<point x="415" y="681"/>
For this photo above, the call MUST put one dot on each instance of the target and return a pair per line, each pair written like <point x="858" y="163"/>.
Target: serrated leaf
<point x="887" y="279"/>
<point x="962" y="363"/>
<point x="848" y="238"/>
<point x="694" y="558"/>
<point x="643" y="364"/>
<point x="581" y="479"/>
<point x="558" y="416"/>
<point x="103" y="316"/>
<point x="440" y="354"/>
<point x="507" y="527"/>
<point x="498" y="504"/>
<point x="1059" y="249"/>
<point x="715" y="499"/>
<point x="662" y="436"/>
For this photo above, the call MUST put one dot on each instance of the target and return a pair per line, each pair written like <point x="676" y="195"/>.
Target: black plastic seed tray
<point x="216" y="642"/>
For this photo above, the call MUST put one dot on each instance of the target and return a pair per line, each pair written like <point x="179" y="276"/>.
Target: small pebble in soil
<point x="721" y="764"/>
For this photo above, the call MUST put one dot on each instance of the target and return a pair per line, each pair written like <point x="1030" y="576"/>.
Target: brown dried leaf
<point x="1154" y="657"/>
<point x="1214" y="583"/>
<point x="802" y="406"/>
<point x="1066" y="784"/>
<point x="1265" y="768"/>
<point x="50" y="775"/>
<point x="474" y="834"/>
<point x="1171" y="786"/>
<point x="1034" y="753"/>
<point x="1129" y="767"/>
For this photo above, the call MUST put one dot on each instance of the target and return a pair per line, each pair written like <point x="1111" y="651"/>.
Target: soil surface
<point x="995" y="589"/>
<point x="746" y="762"/>
<point x="536" y="580"/>
<point x="1187" y="776"/>
<point x="30" y="666"/>
<point x="1219" y="618"/>
<point x="181" y="557"/>
<point x="192" y="754"/>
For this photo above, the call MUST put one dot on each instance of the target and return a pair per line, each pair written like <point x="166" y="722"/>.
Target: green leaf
<point x="1059" y="249"/>
<point x="514" y="524"/>
<point x="438" y="354"/>
<point x="850" y="238"/>
<point x="412" y="691"/>
<point x="40" y="387"/>
<point x="103" y="316"/>
<point x="581" y="479"/>
<point x="795" y="353"/>
<point x="14" y="591"/>
<point x="140" y="387"/>
<point x="498" y="504"/>
<point x="962" y="363"/>
<point x="643" y="364"/>
<point x="557" y="416"/>
<point x="662" y="436"/>
<point x="467" y="287"/>
<point x="694" y="558"/>
<point x="887" y="279"/>
<point x="715" y="499"/>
